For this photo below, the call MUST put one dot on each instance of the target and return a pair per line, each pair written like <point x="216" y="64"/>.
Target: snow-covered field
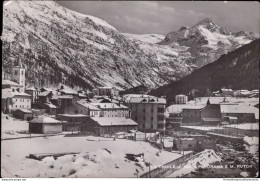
<point x="246" y="126"/>
<point x="12" y="127"/>
<point x="93" y="161"/>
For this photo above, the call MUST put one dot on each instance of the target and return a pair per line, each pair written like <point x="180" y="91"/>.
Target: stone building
<point x="148" y="112"/>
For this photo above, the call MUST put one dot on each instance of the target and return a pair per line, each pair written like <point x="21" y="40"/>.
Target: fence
<point x="168" y="166"/>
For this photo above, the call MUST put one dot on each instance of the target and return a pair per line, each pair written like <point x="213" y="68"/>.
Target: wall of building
<point x="18" y="76"/>
<point x="211" y="111"/>
<point x="115" y="113"/>
<point x="110" y="130"/>
<point x="20" y="102"/>
<point x="242" y="117"/>
<point x="181" y="99"/>
<point x="147" y="115"/>
<point x="191" y="116"/>
<point x="52" y="128"/>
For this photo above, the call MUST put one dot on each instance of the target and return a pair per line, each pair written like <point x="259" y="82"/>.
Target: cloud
<point x="162" y="17"/>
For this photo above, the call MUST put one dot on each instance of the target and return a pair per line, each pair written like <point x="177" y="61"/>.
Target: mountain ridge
<point x="58" y="45"/>
<point x="237" y="70"/>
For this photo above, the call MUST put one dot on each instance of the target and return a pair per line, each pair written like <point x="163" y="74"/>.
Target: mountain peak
<point x="207" y="22"/>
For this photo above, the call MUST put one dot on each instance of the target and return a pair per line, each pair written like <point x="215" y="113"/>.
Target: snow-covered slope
<point x="201" y="160"/>
<point x="148" y="38"/>
<point x="58" y="45"/>
<point x="207" y="41"/>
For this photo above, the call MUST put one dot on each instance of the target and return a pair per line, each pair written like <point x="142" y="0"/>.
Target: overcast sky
<point x="162" y="17"/>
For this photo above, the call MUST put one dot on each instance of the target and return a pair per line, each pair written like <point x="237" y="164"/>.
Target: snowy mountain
<point x="147" y="38"/>
<point x="237" y="70"/>
<point x="58" y="45"/>
<point x="207" y="41"/>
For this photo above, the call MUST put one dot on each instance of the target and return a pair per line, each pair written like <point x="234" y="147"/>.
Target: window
<point x="15" y="72"/>
<point x="22" y="72"/>
<point x="152" y="118"/>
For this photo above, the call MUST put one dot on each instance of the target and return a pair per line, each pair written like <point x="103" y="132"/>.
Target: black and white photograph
<point x="130" y="89"/>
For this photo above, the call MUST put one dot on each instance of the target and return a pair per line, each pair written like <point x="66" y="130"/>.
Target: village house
<point x="45" y="125"/>
<point x="83" y="107"/>
<point x="104" y="126"/>
<point x="44" y="97"/>
<point x="181" y="99"/>
<point x="211" y="115"/>
<point x="20" y="100"/>
<point x="51" y="108"/>
<point x="106" y="91"/>
<point x="24" y="114"/>
<point x="112" y="109"/>
<point x="174" y="114"/>
<point x="6" y="100"/>
<point x="243" y="113"/>
<point x="12" y="85"/>
<point x="148" y="112"/>
<point x="32" y="91"/>
<point x="73" y="122"/>
<point x="226" y="92"/>
<point x="192" y="115"/>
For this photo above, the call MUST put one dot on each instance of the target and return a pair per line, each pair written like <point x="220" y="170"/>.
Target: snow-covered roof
<point x="178" y="108"/>
<point x="239" y="109"/>
<point x="109" y="106"/>
<point x="16" y="93"/>
<point x="65" y="97"/>
<point x="44" y="119"/>
<point x="73" y="115"/>
<point x="212" y="119"/>
<point x="87" y="105"/>
<point x="154" y="100"/>
<point x="45" y="93"/>
<point x="25" y="110"/>
<point x="114" y="121"/>
<point x="7" y="93"/>
<point x="11" y="83"/>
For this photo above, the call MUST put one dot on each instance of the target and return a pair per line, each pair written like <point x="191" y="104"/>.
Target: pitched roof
<point x="45" y="93"/>
<point x="73" y="115"/>
<point x="147" y="100"/>
<point x="65" y="97"/>
<point x="9" y="82"/>
<point x="87" y="105"/>
<point x="114" y="121"/>
<point x="44" y="119"/>
<point x="25" y="110"/>
<point x="21" y="94"/>
<point x="178" y="108"/>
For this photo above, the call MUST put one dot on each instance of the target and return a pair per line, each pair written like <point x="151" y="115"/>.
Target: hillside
<point x="238" y="69"/>
<point x="147" y="38"/>
<point x="59" y="45"/>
